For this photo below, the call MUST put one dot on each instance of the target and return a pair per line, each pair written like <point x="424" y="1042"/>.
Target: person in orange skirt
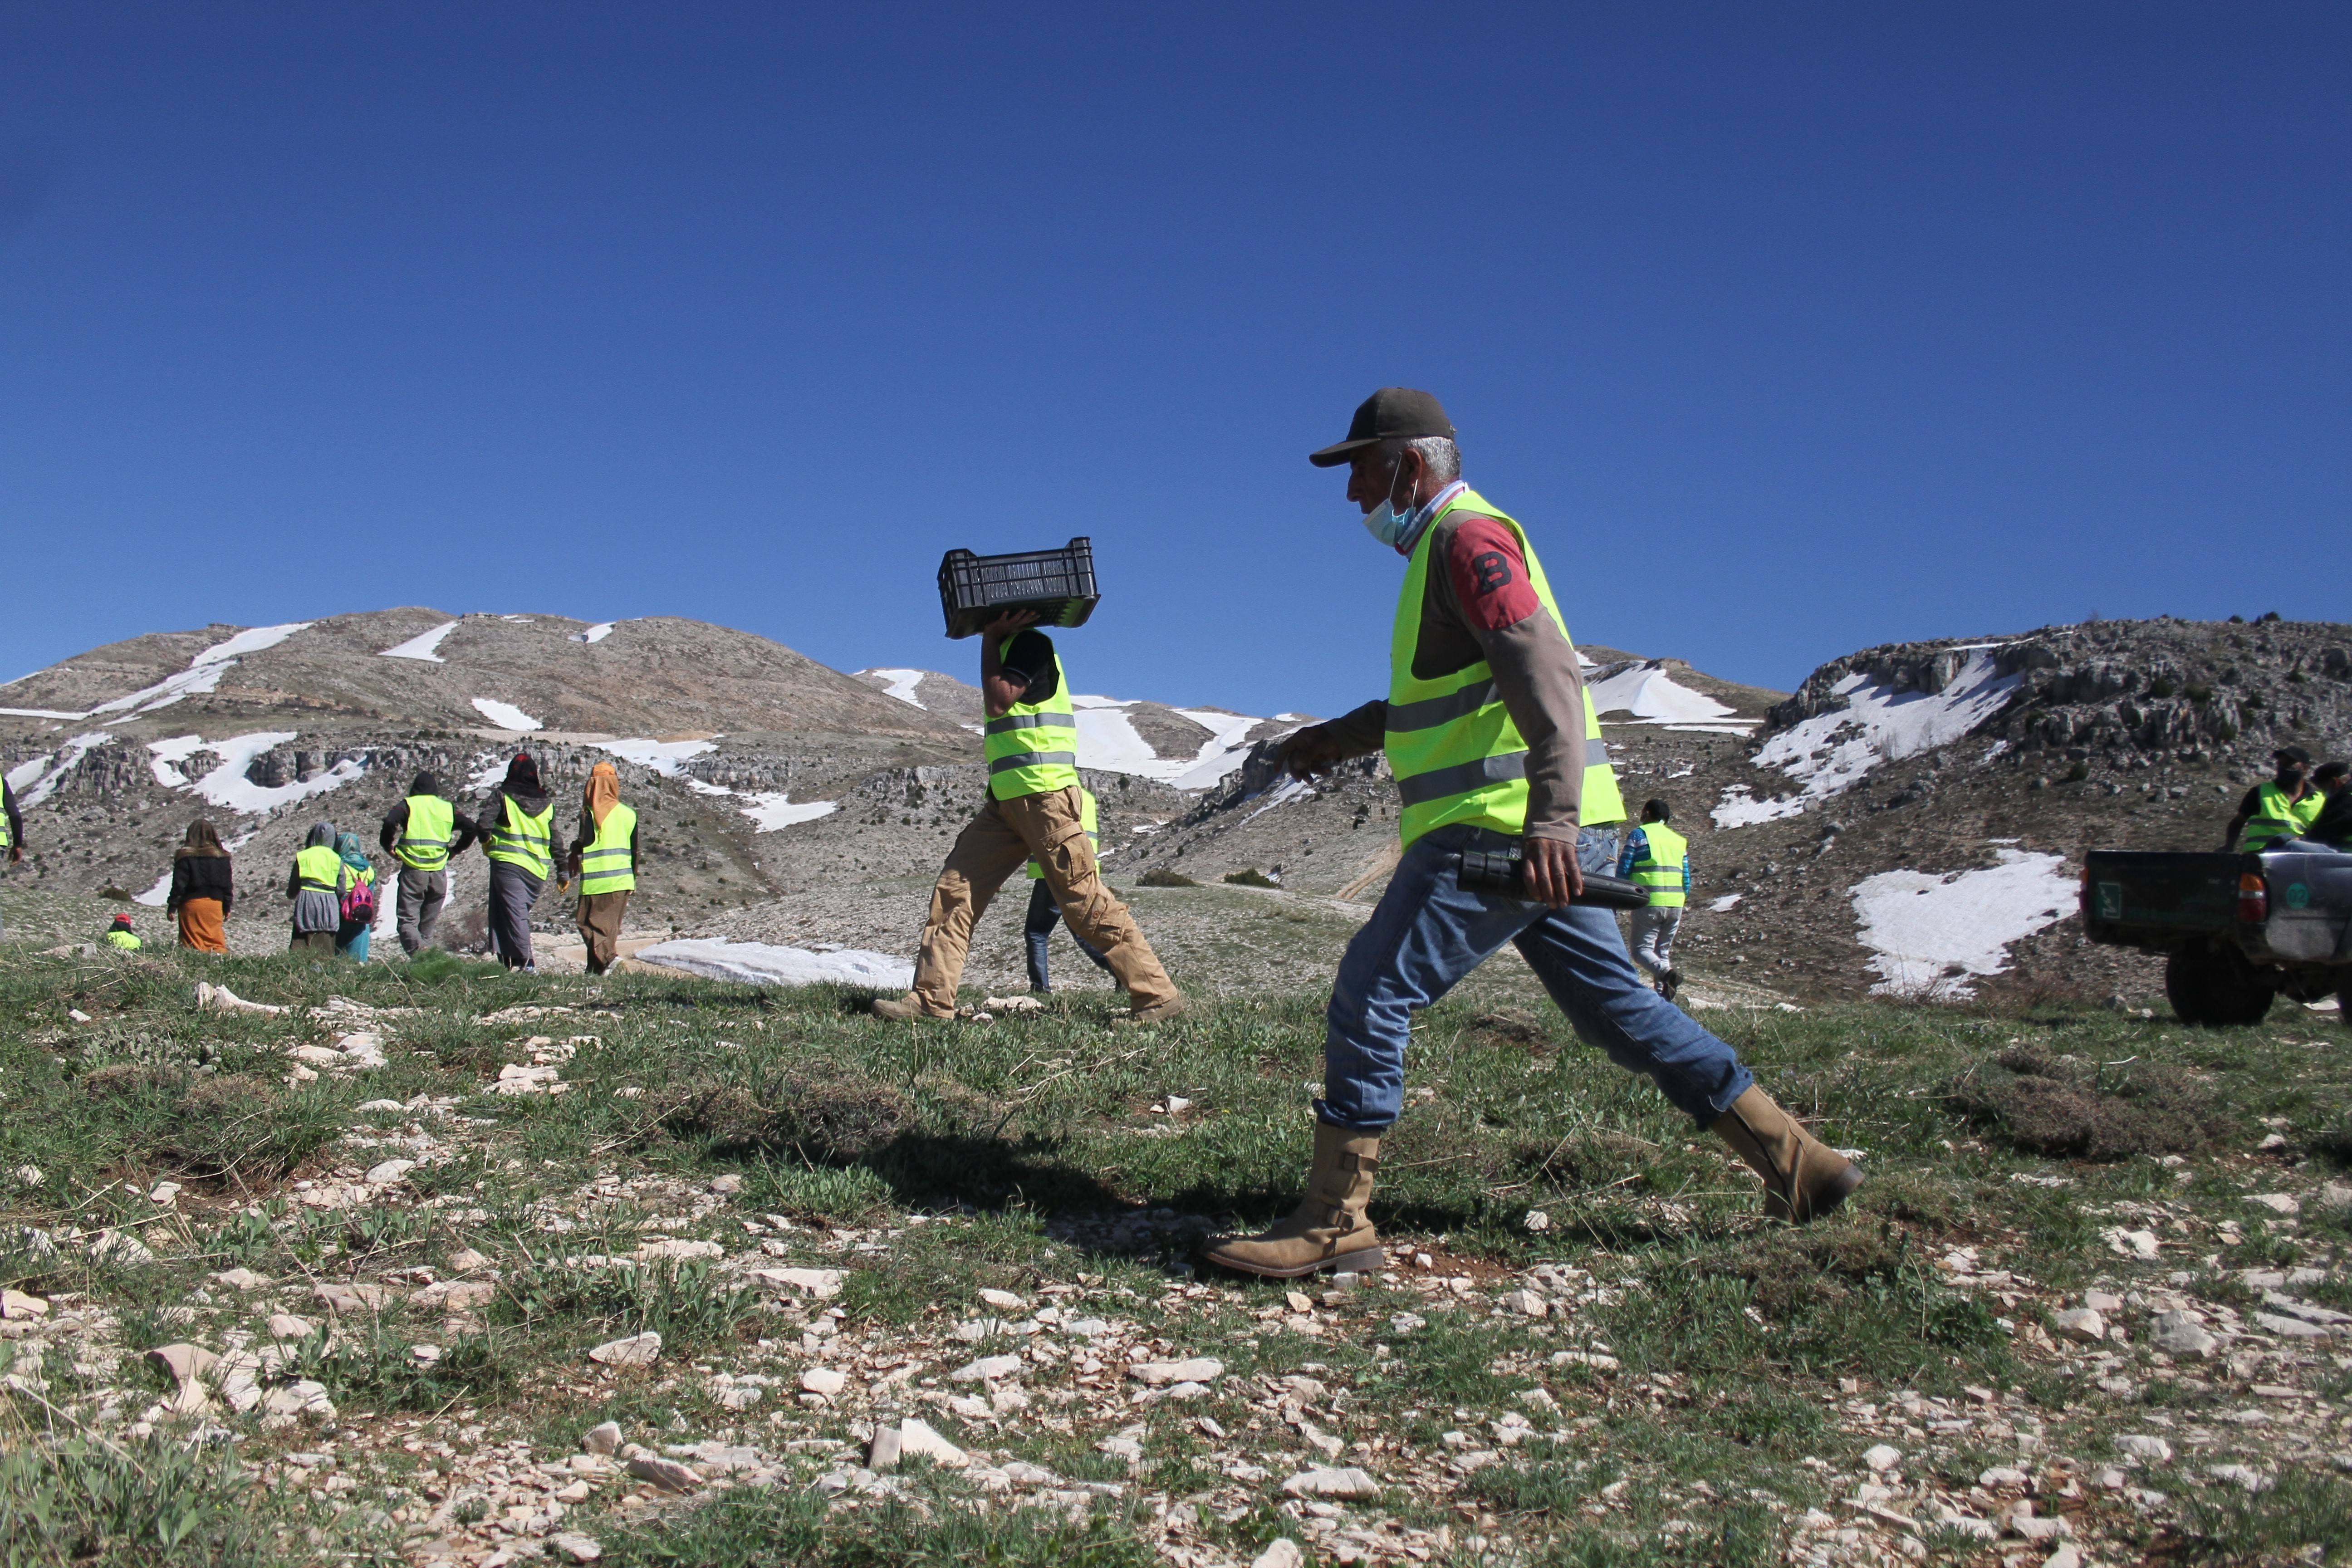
<point x="201" y="888"/>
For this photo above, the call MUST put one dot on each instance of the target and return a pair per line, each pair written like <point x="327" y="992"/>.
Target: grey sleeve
<point x="1537" y="675"/>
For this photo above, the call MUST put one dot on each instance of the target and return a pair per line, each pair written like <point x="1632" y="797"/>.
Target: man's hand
<point x="1011" y="621"/>
<point x="1309" y="751"/>
<point x="15" y="853"/>
<point x="1552" y="875"/>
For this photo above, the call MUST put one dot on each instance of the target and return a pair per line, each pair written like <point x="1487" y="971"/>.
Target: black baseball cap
<point x="1391" y="414"/>
<point x="2292" y="754"/>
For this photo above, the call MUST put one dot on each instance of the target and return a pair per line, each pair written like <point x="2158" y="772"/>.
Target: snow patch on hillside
<point x="667" y="758"/>
<point x="1831" y="752"/>
<point x="596" y="633"/>
<point x="227" y="787"/>
<point x="1932" y="934"/>
<point x="425" y="646"/>
<point x="761" y="963"/>
<point x="770" y="812"/>
<point x="38" y="779"/>
<point x="1108" y="741"/>
<point x="204" y="672"/>
<point x="902" y="683"/>
<point x="505" y="715"/>
<point x="156" y="897"/>
<point x="1647" y="692"/>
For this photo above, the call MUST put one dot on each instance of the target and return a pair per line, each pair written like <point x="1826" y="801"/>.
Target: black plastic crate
<point x="1059" y="584"/>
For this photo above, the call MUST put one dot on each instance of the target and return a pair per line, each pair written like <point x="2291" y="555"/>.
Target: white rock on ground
<point x="605" y="1438"/>
<point x="1003" y="1301"/>
<point x="1195" y="1369"/>
<point x="2139" y="1446"/>
<point x="1320" y="1482"/>
<point x="576" y="1547"/>
<point x="1880" y="1457"/>
<point x="666" y="1474"/>
<point x="2080" y="1323"/>
<point x="390" y="1172"/>
<point x="918" y="1439"/>
<point x="2177" y="1334"/>
<point x="1282" y="1553"/>
<point x="819" y="1283"/>
<point x="824" y="1380"/>
<point x="638" y="1350"/>
<point x="989" y="1369"/>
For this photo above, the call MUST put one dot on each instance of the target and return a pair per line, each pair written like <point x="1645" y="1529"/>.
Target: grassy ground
<point x="1698" y="1387"/>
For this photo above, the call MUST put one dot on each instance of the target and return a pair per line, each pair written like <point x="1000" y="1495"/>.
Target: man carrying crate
<point x="1491" y="739"/>
<point x="1035" y="811"/>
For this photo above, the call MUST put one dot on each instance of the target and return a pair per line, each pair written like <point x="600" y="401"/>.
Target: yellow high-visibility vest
<point x="431" y="826"/>
<point x="524" y="840"/>
<point x="2276" y="818"/>
<point x="319" y="869"/>
<point x="1087" y="821"/>
<point x="1033" y="747"/>
<point x="605" y="866"/>
<point x="1457" y="753"/>
<point x="1664" y="865"/>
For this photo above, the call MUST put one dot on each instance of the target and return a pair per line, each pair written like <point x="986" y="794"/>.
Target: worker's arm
<point x="465" y="829"/>
<point x="1485" y="583"/>
<point x="1001" y="688"/>
<point x="1356" y="734"/>
<point x="2247" y="808"/>
<point x="15" y="821"/>
<point x="294" y="881"/>
<point x="395" y="822"/>
<point x="1635" y="842"/>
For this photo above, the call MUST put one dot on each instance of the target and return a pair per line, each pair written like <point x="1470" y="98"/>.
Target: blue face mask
<point x="1388" y="525"/>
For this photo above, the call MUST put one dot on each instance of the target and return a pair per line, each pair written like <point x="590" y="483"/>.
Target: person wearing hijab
<point x="352" y="935"/>
<point x="605" y="857"/>
<point x="202" y="893"/>
<point x="517" y="826"/>
<point x="316" y="885"/>
<point x="423" y="833"/>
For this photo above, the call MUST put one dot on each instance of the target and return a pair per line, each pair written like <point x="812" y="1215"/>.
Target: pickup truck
<point x="2236" y="931"/>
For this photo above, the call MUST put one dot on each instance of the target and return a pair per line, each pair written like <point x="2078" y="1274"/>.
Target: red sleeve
<point x="1490" y="574"/>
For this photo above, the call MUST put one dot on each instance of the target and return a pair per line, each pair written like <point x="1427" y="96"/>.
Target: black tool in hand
<point x="1502" y="873"/>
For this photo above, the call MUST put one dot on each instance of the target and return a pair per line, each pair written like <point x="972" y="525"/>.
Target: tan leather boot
<point x="899" y="1009"/>
<point x="1328" y="1230"/>
<point x="1804" y="1177"/>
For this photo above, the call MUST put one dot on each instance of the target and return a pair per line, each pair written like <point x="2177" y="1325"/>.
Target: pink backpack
<point x="358" y="902"/>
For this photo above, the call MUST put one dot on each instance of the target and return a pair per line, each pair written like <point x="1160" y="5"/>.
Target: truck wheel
<point x="2216" y="987"/>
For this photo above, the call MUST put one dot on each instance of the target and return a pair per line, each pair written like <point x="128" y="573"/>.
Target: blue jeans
<point x="1428" y="934"/>
<point x="1044" y="915"/>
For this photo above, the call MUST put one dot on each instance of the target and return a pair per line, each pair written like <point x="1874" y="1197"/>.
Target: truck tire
<point x="2216" y="987"/>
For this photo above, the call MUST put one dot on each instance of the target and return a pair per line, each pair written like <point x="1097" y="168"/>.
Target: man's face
<point x="1372" y="477"/>
<point x="2290" y="773"/>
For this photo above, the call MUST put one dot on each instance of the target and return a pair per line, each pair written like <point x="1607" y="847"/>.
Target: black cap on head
<point x="2292" y="754"/>
<point x="1391" y="414"/>
<point x="1657" y="811"/>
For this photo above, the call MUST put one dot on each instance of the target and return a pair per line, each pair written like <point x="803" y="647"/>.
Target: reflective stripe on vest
<point x="1033" y="747"/>
<point x="1457" y="753"/>
<point x="605" y="866"/>
<point x="1664" y="865"/>
<point x="2276" y="818"/>
<point x="1085" y="820"/>
<point x="319" y="868"/>
<point x="524" y="840"/>
<point x="424" y="842"/>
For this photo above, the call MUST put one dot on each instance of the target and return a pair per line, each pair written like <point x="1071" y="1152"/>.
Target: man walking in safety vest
<point x="423" y="833"/>
<point x="2277" y="810"/>
<point x="518" y="828"/>
<point x="1045" y="914"/>
<point x="1657" y="858"/>
<point x="605" y="858"/>
<point x="1034" y="811"/>
<point x="1493" y="740"/>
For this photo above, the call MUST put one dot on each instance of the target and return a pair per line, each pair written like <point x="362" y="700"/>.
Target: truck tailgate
<point x="2134" y="899"/>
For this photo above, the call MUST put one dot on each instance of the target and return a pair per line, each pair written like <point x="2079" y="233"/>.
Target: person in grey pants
<point x="423" y="833"/>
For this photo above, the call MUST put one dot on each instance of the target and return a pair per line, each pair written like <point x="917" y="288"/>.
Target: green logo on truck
<point x="2111" y="900"/>
<point x="2298" y="895"/>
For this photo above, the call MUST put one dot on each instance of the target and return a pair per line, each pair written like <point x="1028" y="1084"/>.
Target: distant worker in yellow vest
<point x="11" y="826"/>
<point x="423" y="833"/>
<point x="316" y="885"/>
<point x="1034" y="811"/>
<point x="1045" y="914"/>
<point x="1657" y="858"/>
<point x="604" y="859"/>
<point x="1493" y="742"/>
<point x="2280" y="809"/>
<point x="121" y="937"/>
<point x="518" y="832"/>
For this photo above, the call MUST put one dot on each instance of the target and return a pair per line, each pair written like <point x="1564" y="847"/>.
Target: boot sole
<point x="1363" y="1261"/>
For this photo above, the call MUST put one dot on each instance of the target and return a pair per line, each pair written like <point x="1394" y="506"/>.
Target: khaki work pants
<point x="1004" y="836"/>
<point x="599" y="920"/>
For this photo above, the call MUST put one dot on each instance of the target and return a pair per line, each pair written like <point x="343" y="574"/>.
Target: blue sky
<point x="1786" y="330"/>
